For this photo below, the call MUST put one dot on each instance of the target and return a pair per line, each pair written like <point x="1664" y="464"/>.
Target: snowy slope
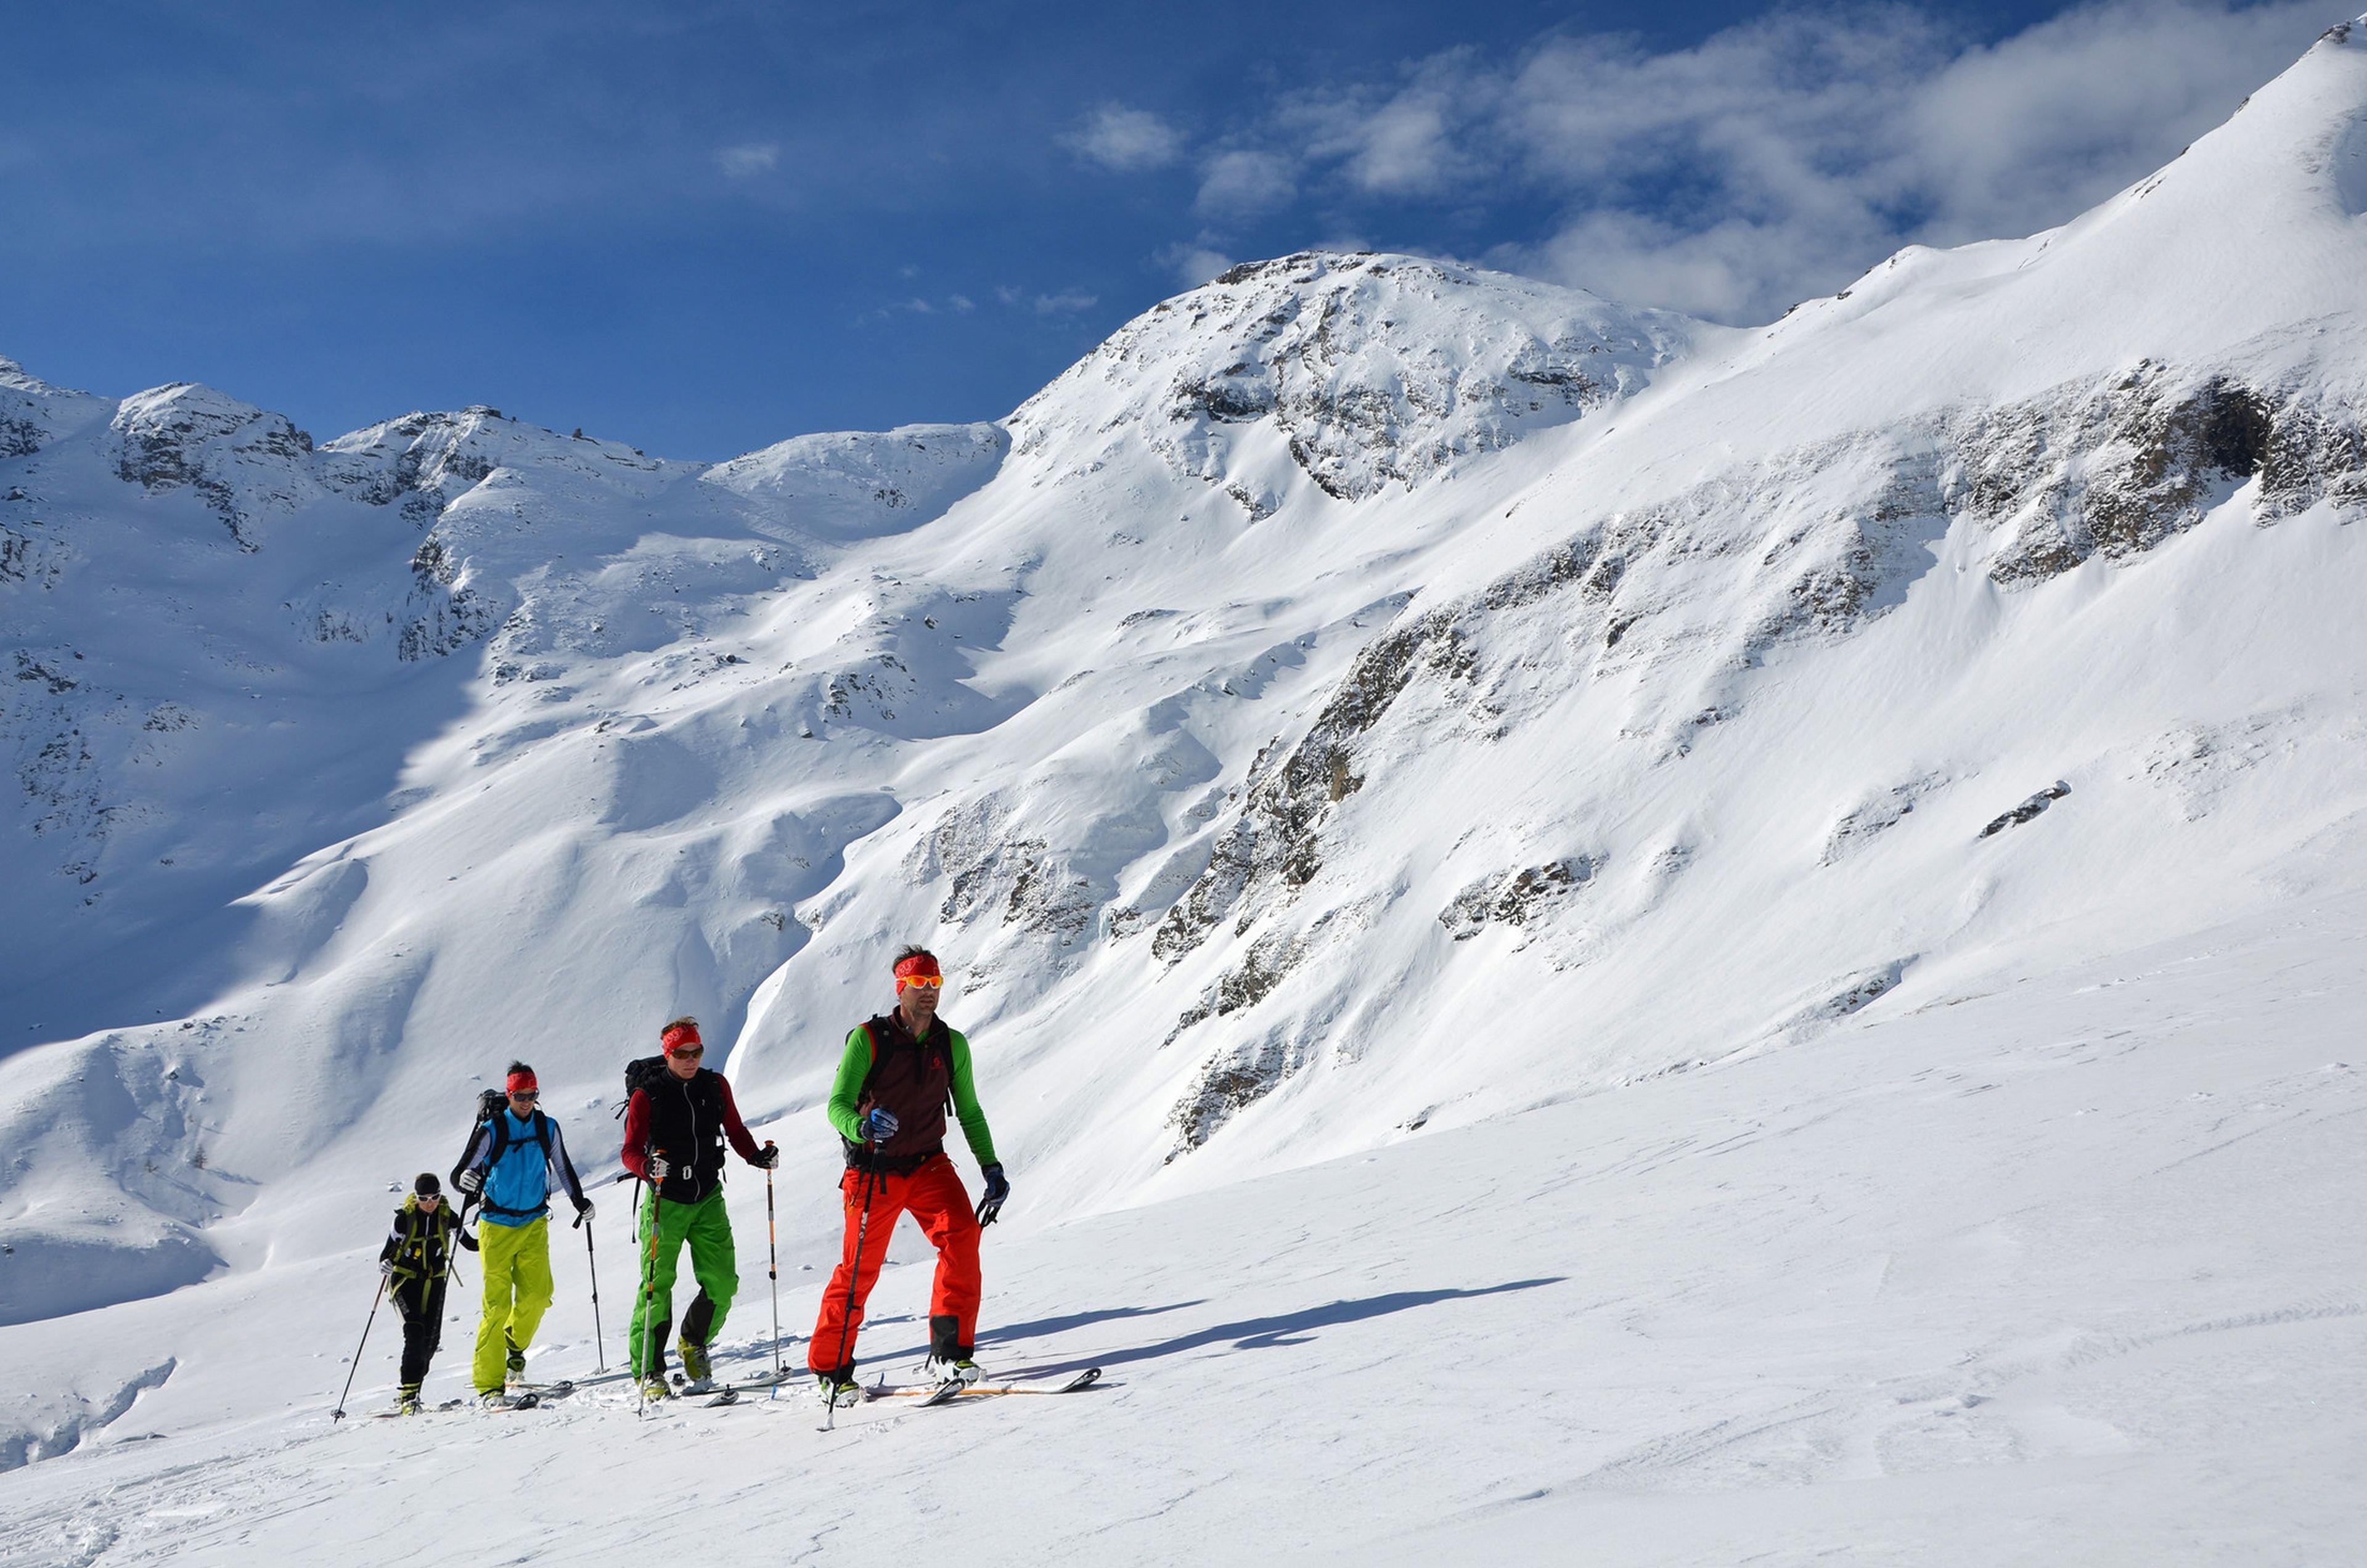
<point x="1368" y="712"/>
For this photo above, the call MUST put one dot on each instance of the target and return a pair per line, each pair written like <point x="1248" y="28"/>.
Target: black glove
<point x="583" y="1208"/>
<point x="659" y="1168"/>
<point x="997" y="1189"/>
<point x="878" y="1126"/>
<point x="468" y="1240"/>
<point x="767" y="1157"/>
<point x="471" y="1182"/>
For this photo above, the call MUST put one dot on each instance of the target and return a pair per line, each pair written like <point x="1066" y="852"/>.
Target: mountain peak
<point x="1375" y="369"/>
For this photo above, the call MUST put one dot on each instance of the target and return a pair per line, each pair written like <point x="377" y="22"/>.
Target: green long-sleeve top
<point x="856" y="1066"/>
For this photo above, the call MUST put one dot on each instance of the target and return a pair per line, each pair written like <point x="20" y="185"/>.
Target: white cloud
<point x="1193" y="264"/>
<point x="1243" y="184"/>
<point x="749" y="160"/>
<point x="1068" y="303"/>
<point x="1781" y="157"/>
<point x="1127" y="140"/>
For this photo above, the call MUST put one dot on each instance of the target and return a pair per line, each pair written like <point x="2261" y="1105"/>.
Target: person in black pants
<point x="415" y="1259"/>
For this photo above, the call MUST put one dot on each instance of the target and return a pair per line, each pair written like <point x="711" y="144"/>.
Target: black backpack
<point x="490" y="1105"/>
<point x="646" y="1072"/>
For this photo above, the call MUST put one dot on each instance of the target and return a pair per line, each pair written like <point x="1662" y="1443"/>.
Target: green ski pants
<point x="707" y="1230"/>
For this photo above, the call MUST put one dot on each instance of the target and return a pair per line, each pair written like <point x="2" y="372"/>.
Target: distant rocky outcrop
<point x="1375" y="370"/>
<point x="244" y="460"/>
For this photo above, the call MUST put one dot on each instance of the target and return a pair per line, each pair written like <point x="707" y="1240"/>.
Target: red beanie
<point x="520" y="1082"/>
<point x="680" y="1035"/>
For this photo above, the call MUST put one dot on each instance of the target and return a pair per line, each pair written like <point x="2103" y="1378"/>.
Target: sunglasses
<point x="526" y="1094"/>
<point x="922" y="982"/>
<point x="696" y="1051"/>
<point x="427" y="1198"/>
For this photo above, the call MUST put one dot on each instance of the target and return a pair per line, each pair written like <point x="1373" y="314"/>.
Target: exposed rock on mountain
<point x="240" y="457"/>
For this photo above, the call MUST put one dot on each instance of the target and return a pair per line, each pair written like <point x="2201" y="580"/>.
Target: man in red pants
<point x="888" y="1105"/>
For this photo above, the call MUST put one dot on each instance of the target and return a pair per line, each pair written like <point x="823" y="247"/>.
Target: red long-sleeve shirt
<point x="673" y="1116"/>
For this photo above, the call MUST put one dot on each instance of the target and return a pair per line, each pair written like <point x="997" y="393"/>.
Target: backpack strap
<point x="864" y="1029"/>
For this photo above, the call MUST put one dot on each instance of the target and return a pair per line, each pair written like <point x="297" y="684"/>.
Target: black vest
<point x="687" y="1125"/>
<point x="912" y="1081"/>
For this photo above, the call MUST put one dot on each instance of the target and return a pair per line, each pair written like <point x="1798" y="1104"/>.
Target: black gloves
<point x="997" y="1189"/>
<point x="767" y="1157"/>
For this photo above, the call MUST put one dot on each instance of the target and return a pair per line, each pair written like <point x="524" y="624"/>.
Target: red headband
<point x="519" y="1083"/>
<point x="919" y="964"/>
<point x="680" y="1035"/>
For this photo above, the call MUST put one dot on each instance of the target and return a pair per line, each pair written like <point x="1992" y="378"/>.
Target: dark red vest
<point x="912" y="1081"/>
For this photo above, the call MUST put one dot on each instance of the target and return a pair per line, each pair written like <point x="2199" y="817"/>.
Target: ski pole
<point x="853" y="1280"/>
<point x="377" y="1296"/>
<point x="773" y="1272"/>
<point x="592" y="1263"/>
<point x="650" y="1212"/>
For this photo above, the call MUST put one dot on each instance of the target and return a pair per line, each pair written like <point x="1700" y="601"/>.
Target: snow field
<point x="2057" y="1271"/>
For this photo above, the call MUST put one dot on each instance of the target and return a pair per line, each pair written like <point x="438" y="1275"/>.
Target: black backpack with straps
<point x="491" y="1103"/>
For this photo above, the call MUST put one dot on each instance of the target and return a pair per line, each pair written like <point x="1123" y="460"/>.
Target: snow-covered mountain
<point x="1363" y="700"/>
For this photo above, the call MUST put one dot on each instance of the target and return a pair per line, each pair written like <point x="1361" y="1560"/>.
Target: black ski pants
<point x="420" y="1303"/>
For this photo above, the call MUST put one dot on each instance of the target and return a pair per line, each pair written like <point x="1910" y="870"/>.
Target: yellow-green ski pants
<point x="517" y="1261"/>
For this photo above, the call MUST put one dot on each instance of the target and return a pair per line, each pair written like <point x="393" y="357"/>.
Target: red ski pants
<point x="933" y="1195"/>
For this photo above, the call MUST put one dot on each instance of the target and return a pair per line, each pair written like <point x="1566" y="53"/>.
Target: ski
<point x="423" y="1410"/>
<point x="729" y="1393"/>
<point x="528" y="1400"/>
<point x="941" y="1393"/>
<point x="543" y="1393"/>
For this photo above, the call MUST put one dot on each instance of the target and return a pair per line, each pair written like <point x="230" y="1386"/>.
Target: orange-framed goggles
<point x="920" y="982"/>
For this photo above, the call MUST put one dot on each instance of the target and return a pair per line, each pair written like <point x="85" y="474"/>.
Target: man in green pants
<point x="675" y="1128"/>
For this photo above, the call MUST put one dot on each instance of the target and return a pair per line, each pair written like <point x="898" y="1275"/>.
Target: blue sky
<point x="702" y="227"/>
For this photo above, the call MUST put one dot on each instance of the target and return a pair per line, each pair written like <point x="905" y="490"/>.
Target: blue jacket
<point x="518" y="1185"/>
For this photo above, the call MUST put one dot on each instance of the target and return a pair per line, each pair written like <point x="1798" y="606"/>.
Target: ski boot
<point x="514" y="1374"/>
<point x="655" y="1388"/>
<point x="840" y="1390"/>
<point x="943" y="1370"/>
<point x="698" y="1371"/>
<point x="493" y="1399"/>
<point x="406" y="1400"/>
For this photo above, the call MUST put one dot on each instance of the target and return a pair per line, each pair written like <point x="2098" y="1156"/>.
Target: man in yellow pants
<point x="511" y="1165"/>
